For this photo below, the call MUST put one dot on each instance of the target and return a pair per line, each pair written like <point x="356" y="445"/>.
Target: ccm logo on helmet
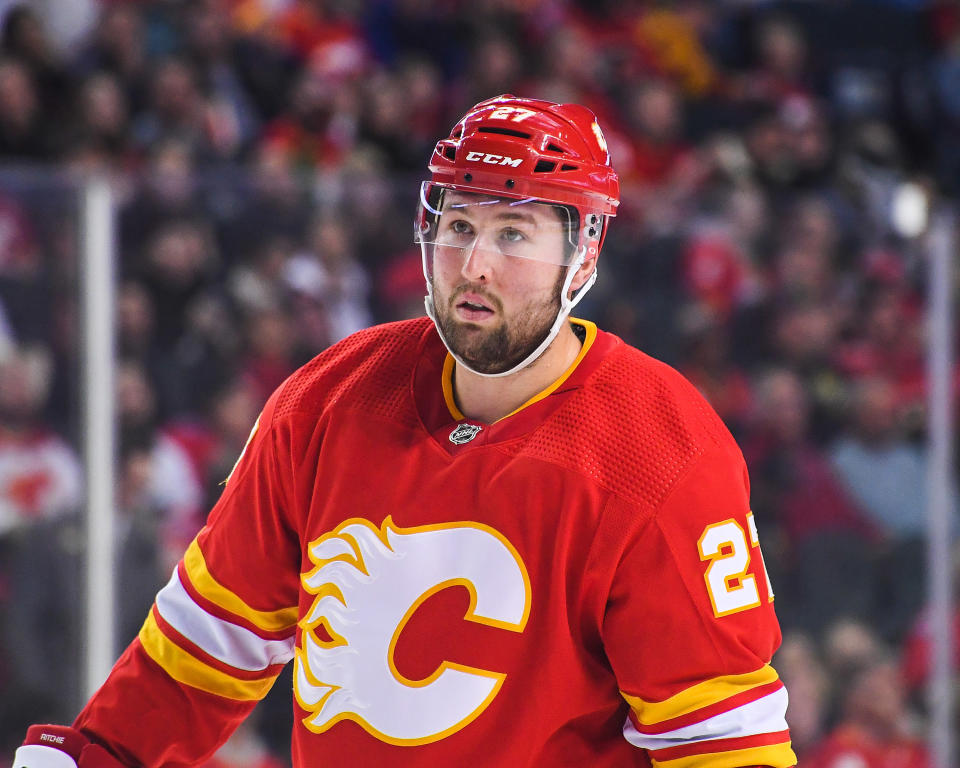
<point x="476" y="157"/>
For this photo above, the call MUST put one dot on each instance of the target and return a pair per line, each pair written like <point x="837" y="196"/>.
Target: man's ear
<point x="583" y="273"/>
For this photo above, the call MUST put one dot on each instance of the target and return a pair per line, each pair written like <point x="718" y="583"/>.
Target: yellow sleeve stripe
<point x="698" y="696"/>
<point x="216" y="593"/>
<point x="187" y="669"/>
<point x="775" y="756"/>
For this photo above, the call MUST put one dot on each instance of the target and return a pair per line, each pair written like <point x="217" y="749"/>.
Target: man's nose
<point x="478" y="260"/>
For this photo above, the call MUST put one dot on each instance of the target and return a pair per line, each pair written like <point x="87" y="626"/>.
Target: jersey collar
<point x="440" y="417"/>
<point x="449" y="364"/>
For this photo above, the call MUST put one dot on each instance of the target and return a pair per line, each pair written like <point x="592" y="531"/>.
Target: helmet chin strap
<point x="566" y="305"/>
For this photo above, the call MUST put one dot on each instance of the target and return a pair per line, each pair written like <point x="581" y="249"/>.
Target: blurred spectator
<point x="233" y="412"/>
<point x="811" y="139"/>
<point x="44" y="570"/>
<point x="325" y="36"/>
<point x="721" y="260"/>
<point x="177" y="110"/>
<point x="274" y="206"/>
<point x="876" y="730"/>
<point x="804" y="335"/>
<point x="375" y="206"/>
<point x="173" y="486"/>
<point x="849" y="645"/>
<point x="886" y="339"/>
<point x="271" y="352"/>
<point x="135" y="324"/>
<point x="806" y="678"/>
<point x="494" y="65"/>
<point x="117" y="47"/>
<point x="41" y="487"/>
<point x="327" y="274"/>
<point x="670" y="43"/>
<point x="319" y="128"/>
<point x="654" y="113"/>
<point x="705" y="361"/>
<point x="40" y="475"/>
<point x="945" y="75"/>
<point x="818" y="537"/>
<point x="917" y="656"/>
<point x="204" y="357"/>
<point x="167" y="191"/>
<point x="571" y="66"/>
<point x="385" y="124"/>
<point x="888" y="478"/>
<point x="7" y="338"/>
<point x="178" y="264"/>
<point x="256" y="284"/>
<point x="790" y="147"/>
<point x="886" y="474"/>
<point x="24" y="132"/>
<point x="141" y="566"/>
<point x="231" y="117"/>
<point x="781" y="66"/>
<point x="103" y="119"/>
<point x="24" y="39"/>
<point x="806" y="265"/>
<point x="658" y="156"/>
<point x="20" y="257"/>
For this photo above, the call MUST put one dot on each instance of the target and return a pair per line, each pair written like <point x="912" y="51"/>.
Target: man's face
<point x="496" y="278"/>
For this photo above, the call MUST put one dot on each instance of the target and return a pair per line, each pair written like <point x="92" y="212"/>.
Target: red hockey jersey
<point x="579" y="583"/>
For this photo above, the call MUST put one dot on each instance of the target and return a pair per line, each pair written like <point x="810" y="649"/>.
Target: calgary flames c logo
<point x="368" y="582"/>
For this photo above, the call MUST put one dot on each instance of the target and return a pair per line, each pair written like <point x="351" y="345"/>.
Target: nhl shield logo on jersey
<point x="464" y="433"/>
<point x="368" y="583"/>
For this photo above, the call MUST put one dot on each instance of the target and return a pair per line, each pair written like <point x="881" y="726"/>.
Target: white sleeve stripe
<point x="764" y="715"/>
<point x="226" y="642"/>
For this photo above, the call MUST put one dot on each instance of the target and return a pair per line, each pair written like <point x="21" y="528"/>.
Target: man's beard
<point x="500" y="348"/>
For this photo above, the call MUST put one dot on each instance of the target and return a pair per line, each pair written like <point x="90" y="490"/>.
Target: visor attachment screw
<point x="468" y="177"/>
<point x="510" y="183"/>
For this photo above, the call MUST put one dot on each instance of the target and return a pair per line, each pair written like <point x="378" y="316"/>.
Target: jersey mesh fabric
<point x="647" y="441"/>
<point x="378" y="357"/>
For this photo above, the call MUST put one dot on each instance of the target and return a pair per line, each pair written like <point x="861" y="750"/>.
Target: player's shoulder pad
<point x="635" y="427"/>
<point x="373" y="366"/>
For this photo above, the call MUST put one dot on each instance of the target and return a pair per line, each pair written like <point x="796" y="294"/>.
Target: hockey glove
<point x="57" y="746"/>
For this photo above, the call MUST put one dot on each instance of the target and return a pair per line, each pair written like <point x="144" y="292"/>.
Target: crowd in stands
<point x="265" y="156"/>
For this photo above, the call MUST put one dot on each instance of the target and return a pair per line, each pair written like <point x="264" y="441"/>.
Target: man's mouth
<point x="473" y="307"/>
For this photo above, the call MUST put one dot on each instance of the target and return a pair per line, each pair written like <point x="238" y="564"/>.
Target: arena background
<point x="789" y="173"/>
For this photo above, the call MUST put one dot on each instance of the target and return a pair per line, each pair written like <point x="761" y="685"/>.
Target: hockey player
<point x="495" y="537"/>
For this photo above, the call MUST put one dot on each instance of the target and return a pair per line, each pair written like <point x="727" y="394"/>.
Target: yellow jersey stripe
<point x="189" y="670"/>
<point x="448" y="366"/>
<point x="775" y="756"/>
<point x="447" y="383"/>
<point x="698" y="696"/>
<point x="216" y="593"/>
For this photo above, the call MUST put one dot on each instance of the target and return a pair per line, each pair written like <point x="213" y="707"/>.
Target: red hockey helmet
<point x="530" y="149"/>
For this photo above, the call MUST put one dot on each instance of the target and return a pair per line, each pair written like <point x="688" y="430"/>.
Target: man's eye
<point x="513" y="235"/>
<point x="460" y="227"/>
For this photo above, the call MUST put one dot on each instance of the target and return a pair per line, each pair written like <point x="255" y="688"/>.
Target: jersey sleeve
<point x="220" y="631"/>
<point x="690" y="629"/>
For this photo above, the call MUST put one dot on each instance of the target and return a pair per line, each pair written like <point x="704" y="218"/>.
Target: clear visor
<point x="455" y="223"/>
